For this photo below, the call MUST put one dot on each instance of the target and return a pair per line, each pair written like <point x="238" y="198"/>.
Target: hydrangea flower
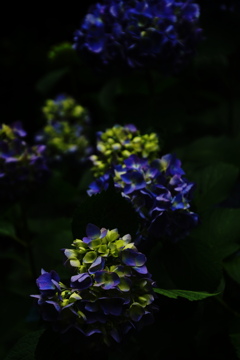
<point x="111" y="292"/>
<point x="158" y="191"/>
<point x="118" y="143"/>
<point x="230" y="6"/>
<point x="65" y="108"/>
<point x="21" y="166"/>
<point x="154" y="33"/>
<point x="65" y="132"/>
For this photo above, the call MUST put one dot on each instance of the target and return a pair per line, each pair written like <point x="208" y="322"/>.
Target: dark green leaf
<point x="24" y="349"/>
<point x="51" y="235"/>
<point x="46" y="84"/>
<point x="108" y="93"/>
<point x="190" y="295"/>
<point x="7" y="229"/>
<point x="214" y="183"/>
<point x="233" y="268"/>
<point x="108" y="209"/>
<point x="207" y="150"/>
<point x="221" y="229"/>
<point x="235" y="340"/>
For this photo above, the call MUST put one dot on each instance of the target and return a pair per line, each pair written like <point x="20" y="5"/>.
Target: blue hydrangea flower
<point x="158" y="191"/>
<point x="21" y="166"/>
<point x="111" y="292"/>
<point x="65" y="131"/>
<point x="154" y="33"/>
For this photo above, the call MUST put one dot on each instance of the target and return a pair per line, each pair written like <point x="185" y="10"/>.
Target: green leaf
<point x="24" y="349"/>
<point x="235" y="340"/>
<point x="108" y="209"/>
<point x="193" y="265"/>
<point x="221" y="229"/>
<point x="190" y="295"/>
<point x="214" y="183"/>
<point x="51" y="235"/>
<point x="208" y="150"/>
<point x="7" y="229"/>
<point x="108" y="93"/>
<point x="232" y="267"/>
<point x="46" y="83"/>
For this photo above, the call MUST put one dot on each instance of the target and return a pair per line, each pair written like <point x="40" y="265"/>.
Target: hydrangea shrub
<point x="110" y="293"/>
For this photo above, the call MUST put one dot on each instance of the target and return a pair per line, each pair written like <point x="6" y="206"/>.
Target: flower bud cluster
<point x="118" y="143"/>
<point x="65" y="131"/>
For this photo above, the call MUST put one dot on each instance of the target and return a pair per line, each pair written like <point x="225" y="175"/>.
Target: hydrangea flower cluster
<point x="157" y="190"/>
<point x="231" y="6"/>
<point x="65" y="108"/>
<point x="154" y="33"/>
<point x="65" y="130"/>
<point x="118" y="143"/>
<point x="21" y="165"/>
<point x="111" y="292"/>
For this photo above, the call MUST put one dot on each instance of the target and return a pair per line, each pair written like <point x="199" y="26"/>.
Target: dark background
<point x="202" y="101"/>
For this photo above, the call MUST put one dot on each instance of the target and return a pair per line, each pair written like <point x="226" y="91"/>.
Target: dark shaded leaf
<point x="235" y="340"/>
<point x="232" y="267"/>
<point x="46" y="84"/>
<point x="108" y="209"/>
<point x="221" y="229"/>
<point x="190" y="295"/>
<point x="207" y="150"/>
<point x="24" y="349"/>
<point x="214" y="183"/>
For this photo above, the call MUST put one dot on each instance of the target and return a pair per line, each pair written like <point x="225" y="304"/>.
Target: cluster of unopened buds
<point x="66" y="128"/>
<point x="119" y="142"/>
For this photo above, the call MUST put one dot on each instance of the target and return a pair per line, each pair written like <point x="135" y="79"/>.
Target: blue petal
<point x="97" y="265"/>
<point x="81" y="281"/>
<point x="92" y="231"/>
<point x="133" y="258"/>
